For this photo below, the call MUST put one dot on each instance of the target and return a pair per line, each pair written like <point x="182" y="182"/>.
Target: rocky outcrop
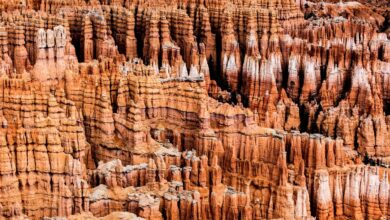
<point x="226" y="109"/>
<point x="43" y="149"/>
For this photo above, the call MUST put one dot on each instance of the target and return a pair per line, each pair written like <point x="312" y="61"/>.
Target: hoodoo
<point x="208" y="109"/>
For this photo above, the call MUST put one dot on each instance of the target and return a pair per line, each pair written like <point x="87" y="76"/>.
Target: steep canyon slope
<point x="194" y="109"/>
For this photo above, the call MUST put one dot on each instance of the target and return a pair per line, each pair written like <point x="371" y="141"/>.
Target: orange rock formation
<point x="210" y="109"/>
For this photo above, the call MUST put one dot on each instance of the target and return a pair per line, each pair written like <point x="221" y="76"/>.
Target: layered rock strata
<point x="225" y="109"/>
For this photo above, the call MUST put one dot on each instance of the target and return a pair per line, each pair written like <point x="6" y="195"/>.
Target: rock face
<point x="228" y="109"/>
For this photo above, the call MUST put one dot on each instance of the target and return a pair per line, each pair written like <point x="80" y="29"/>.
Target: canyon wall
<point x="209" y="109"/>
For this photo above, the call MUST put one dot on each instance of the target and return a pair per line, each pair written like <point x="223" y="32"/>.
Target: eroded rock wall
<point x="225" y="109"/>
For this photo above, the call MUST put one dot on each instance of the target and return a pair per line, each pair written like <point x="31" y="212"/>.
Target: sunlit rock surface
<point x="210" y="109"/>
